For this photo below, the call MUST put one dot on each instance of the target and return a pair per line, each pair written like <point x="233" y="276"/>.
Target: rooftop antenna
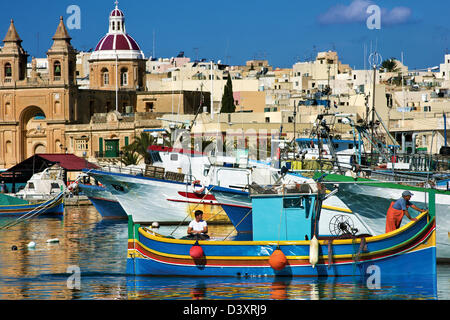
<point x="196" y="53"/>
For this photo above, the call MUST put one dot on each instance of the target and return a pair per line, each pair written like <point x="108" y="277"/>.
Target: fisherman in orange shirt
<point x="398" y="209"/>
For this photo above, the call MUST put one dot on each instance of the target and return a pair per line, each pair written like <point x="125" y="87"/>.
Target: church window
<point x="8" y="70"/>
<point x="105" y="76"/>
<point x="124" y="77"/>
<point x="81" y="144"/>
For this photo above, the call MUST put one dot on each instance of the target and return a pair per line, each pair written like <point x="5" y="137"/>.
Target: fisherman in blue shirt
<point x="398" y="209"/>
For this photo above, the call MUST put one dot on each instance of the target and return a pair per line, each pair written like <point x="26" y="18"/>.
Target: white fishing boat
<point x="165" y="193"/>
<point x="44" y="185"/>
<point x="154" y="194"/>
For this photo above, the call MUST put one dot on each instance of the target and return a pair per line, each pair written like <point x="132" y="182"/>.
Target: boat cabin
<point x="285" y="214"/>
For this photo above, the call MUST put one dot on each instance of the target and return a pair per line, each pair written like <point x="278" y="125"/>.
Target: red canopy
<point x="70" y="162"/>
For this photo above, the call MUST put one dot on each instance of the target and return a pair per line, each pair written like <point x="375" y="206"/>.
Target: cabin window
<point x="30" y="185"/>
<point x="174" y="157"/>
<point x="291" y="203"/>
<point x="54" y="185"/>
<point x="350" y="146"/>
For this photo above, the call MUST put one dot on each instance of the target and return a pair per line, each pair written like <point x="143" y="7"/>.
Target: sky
<point x="234" y="31"/>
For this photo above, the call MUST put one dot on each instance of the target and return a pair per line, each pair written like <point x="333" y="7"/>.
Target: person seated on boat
<point x="198" y="228"/>
<point x="398" y="209"/>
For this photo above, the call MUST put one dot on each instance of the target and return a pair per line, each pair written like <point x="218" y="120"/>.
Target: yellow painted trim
<point x="427" y="244"/>
<point x="160" y="238"/>
<point x="336" y="209"/>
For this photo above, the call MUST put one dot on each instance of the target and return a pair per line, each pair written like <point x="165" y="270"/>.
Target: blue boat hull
<point x="54" y="207"/>
<point x="104" y="202"/>
<point x="109" y="209"/>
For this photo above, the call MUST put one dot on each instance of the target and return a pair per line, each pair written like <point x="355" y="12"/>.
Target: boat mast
<point x="374" y="60"/>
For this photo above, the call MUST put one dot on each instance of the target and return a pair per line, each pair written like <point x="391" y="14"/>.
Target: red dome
<point x="117" y="42"/>
<point x="117" y="13"/>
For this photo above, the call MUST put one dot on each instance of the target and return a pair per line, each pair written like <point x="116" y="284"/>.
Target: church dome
<point x="117" y="43"/>
<point x="117" y="13"/>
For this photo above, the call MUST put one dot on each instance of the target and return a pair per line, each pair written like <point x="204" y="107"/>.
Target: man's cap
<point x="407" y="193"/>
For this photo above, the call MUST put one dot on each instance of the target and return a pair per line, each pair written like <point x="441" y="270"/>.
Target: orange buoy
<point x="196" y="251"/>
<point x="278" y="260"/>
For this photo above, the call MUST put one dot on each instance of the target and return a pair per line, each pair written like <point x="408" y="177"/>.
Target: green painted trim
<point x="432" y="203"/>
<point x="340" y="178"/>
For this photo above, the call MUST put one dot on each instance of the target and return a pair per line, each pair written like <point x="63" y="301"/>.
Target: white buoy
<point x="155" y="225"/>
<point x="32" y="245"/>
<point x="56" y="240"/>
<point x="314" y="252"/>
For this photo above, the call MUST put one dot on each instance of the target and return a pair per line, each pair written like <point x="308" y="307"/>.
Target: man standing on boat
<point x="198" y="228"/>
<point x="398" y="209"/>
<point x="3" y="187"/>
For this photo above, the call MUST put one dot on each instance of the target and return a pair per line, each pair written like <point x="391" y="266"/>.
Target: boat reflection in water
<point x="98" y="248"/>
<point x="341" y="288"/>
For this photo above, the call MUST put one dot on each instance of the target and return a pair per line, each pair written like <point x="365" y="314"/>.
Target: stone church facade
<point x="36" y="107"/>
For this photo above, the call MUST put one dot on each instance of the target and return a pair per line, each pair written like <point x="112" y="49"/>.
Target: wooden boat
<point x="284" y="243"/>
<point x="53" y="206"/>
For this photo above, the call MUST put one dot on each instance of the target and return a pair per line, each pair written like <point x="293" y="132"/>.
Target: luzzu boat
<point x="54" y="206"/>
<point x="284" y="243"/>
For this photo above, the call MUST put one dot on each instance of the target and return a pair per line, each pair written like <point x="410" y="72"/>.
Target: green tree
<point x="389" y="65"/>
<point x="130" y="158"/>
<point x="228" y="105"/>
<point x="140" y="146"/>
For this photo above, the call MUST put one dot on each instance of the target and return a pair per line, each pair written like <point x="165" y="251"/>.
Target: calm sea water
<point x="98" y="249"/>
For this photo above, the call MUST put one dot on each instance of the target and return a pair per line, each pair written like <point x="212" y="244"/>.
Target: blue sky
<point x="282" y="31"/>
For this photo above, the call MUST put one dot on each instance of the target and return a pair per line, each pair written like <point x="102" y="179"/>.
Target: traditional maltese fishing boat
<point x="17" y="207"/>
<point x="285" y="242"/>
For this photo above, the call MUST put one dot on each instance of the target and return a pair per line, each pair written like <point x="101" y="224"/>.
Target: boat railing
<point x="300" y="189"/>
<point x="151" y="172"/>
<point x="417" y="161"/>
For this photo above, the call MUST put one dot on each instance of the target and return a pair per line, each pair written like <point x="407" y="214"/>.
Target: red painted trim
<point x="192" y="195"/>
<point x="194" y="202"/>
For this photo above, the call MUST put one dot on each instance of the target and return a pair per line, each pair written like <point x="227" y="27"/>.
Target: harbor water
<point x="88" y="262"/>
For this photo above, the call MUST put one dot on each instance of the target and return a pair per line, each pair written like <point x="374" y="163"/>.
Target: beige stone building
<point x="38" y="105"/>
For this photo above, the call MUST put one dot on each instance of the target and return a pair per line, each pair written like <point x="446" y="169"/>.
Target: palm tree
<point x="130" y="158"/>
<point x="389" y="65"/>
<point x="140" y="146"/>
